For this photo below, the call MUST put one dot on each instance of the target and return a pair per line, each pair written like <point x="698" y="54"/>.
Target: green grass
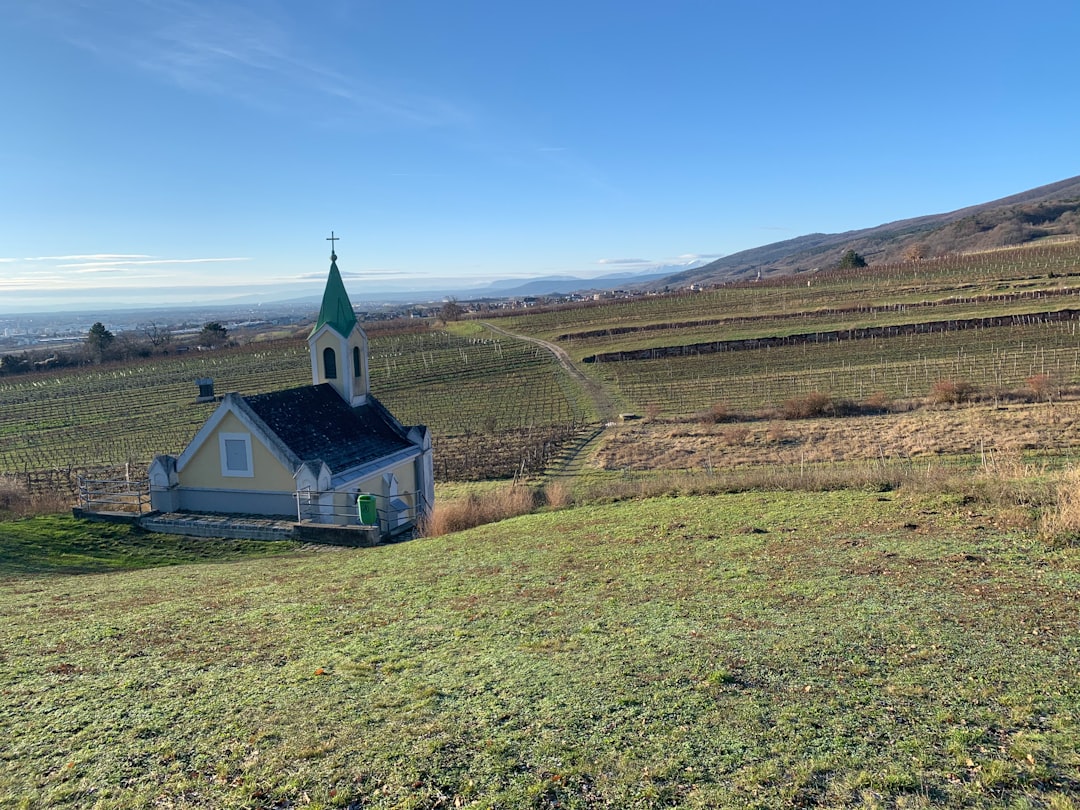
<point x="749" y="650"/>
<point x="59" y="544"/>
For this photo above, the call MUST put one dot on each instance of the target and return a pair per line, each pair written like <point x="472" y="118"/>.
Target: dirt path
<point x="605" y="405"/>
<point x="574" y="457"/>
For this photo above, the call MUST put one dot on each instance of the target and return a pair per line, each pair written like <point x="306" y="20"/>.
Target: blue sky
<point x="165" y="152"/>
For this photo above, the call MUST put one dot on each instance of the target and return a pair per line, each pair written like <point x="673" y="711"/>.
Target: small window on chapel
<point x="236" y="459"/>
<point x="357" y="369"/>
<point x="329" y="360"/>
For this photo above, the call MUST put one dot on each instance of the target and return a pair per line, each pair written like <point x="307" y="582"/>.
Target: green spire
<point x="336" y="309"/>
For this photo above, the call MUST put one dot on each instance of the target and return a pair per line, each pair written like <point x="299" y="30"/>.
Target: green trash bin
<point x="365" y="507"/>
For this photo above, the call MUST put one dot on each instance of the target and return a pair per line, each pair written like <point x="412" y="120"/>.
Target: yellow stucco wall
<point x="329" y="340"/>
<point x="345" y="502"/>
<point x="204" y="468"/>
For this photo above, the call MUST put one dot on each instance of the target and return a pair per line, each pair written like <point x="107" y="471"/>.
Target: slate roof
<point x="315" y="423"/>
<point x="336" y="309"/>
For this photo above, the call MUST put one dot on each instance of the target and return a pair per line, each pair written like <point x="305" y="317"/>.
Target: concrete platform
<point x="241" y="527"/>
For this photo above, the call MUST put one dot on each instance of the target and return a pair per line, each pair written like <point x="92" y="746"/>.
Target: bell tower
<point x="337" y="344"/>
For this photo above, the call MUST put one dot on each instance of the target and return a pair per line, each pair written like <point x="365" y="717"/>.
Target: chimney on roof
<point x="206" y="389"/>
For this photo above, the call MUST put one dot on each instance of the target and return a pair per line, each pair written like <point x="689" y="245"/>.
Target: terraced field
<point x="498" y="405"/>
<point x="462" y="385"/>
<point x="1034" y="290"/>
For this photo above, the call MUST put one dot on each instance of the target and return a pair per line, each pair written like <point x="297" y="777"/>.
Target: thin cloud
<point x="625" y="261"/>
<point x="248" y="54"/>
<point x="150" y="261"/>
<point x="351" y="274"/>
<point x="88" y="256"/>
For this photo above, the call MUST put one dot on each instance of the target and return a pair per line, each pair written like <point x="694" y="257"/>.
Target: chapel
<point x="328" y="452"/>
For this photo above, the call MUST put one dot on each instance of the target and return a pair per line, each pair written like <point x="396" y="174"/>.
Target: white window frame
<point x="249" y="471"/>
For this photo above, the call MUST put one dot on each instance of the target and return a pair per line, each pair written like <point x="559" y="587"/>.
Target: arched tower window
<point x="329" y="360"/>
<point x="357" y="366"/>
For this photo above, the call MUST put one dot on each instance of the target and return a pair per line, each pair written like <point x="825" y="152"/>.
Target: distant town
<point x="37" y="334"/>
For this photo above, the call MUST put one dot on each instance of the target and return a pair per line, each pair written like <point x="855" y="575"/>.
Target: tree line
<point x="100" y="345"/>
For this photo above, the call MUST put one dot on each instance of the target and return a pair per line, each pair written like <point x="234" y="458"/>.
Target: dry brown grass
<point x="16" y="500"/>
<point x="868" y="475"/>
<point x="1060" y="522"/>
<point x="476" y="509"/>
<point x="924" y="433"/>
<point x="557" y="495"/>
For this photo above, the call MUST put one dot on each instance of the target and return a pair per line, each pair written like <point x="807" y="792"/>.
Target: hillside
<point x="835" y="649"/>
<point x="1045" y="212"/>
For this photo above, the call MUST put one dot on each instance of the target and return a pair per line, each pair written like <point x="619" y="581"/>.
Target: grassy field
<point x="55" y="545"/>
<point x="764" y="650"/>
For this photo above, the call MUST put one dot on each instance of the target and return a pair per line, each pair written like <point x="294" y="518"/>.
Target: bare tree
<point x="450" y="311"/>
<point x="159" y="336"/>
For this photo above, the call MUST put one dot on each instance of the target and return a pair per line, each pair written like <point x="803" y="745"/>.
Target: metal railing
<point x="102" y="495"/>
<point x="398" y="512"/>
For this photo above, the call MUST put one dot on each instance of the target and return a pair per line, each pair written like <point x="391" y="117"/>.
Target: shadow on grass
<point x="61" y="544"/>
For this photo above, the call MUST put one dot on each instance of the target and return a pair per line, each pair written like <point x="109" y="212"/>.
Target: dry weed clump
<point x="16" y="500"/>
<point x="12" y="493"/>
<point x="1060" y="522"/>
<point x="557" y="495"/>
<point x="479" y="509"/>
<point x="734" y="436"/>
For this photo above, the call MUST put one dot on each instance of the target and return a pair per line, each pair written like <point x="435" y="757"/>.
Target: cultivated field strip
<point x="457" y="385"/>
<point x="999" y="282"/>
<point x="903" y="367"/>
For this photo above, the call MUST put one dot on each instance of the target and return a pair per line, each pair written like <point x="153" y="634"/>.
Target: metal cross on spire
<point x="331" y="239"/>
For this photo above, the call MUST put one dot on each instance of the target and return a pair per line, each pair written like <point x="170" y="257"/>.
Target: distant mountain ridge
<point x="1052" y="210"/>
<point x="562" y="285"/>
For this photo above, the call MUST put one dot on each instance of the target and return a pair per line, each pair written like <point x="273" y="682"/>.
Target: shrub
<point x="877" y="402"/>
<point x="719" y="412"/>
<point x="1042" y="387"/>
<point x="951" y="392"/>
<point x="807" y="406"/>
